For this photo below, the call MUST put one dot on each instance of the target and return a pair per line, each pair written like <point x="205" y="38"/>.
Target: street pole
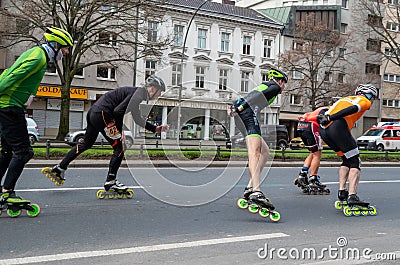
<point x="381" y="91"/>
<point x="181" y="66"/>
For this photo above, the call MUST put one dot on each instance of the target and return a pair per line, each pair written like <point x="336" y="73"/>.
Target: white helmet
<point x="365" y="89"/>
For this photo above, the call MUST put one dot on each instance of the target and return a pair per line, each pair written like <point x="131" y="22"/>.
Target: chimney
<point x="228" y="2"/>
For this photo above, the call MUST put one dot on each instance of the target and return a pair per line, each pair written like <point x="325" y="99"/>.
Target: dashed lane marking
<point x="124" y="251"/>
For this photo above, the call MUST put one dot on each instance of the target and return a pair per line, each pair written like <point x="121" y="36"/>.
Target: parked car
<point x="275" y="136"/>
<point x="296" y="143"/>
<point x="73" y="138"/>
<point x="33" y="130"/>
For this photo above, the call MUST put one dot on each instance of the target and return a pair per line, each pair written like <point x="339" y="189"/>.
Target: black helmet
<point x="155" y="81"/>
<point x="278" y="74"/>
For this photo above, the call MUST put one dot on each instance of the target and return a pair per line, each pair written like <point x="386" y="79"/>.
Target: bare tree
<point x="121" y="25"/>
<point x="319" y="59"/>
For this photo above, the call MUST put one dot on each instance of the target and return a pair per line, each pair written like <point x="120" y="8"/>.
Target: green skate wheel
<point x="119" y="195"/>
<point x="338" y="205"/>
<point x="372" y="211"/>
<point x="263" y="212"/>
<point x="35" y="212"/>
<point x="13" y="214"/>
<point x="347" y="211"/>
<point x="242" y="203"/>
<point x="364" y="212"/>
<point x="275" y="216"/>
<point x="356" y="211"/>
<point x="129" y="194"/>
<point x="101" y="194"/>
<point x="253" y="208"/>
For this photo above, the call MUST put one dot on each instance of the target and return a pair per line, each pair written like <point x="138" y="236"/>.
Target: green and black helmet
<point x="277" y="74"/>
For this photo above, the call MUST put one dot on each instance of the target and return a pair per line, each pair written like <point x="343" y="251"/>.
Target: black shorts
<point x="310" y="136"/>
<point x="247" y="122"/>
<point x="339" y="138"/>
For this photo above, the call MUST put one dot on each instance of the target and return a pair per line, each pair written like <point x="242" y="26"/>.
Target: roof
<point x="280" y="14"/>
<point x="223" y="9"/>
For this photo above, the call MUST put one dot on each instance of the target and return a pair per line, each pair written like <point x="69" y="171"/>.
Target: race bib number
<point x="112" y="131"/>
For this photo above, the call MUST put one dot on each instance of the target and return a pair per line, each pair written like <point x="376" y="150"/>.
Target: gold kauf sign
<point x="55" y="92"/>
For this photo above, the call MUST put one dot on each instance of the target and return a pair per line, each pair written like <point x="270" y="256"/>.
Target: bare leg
<point x="307" y="162"/>
<point x="254" y="146"/>
<point x="315" y="161"/>
<point x="354" y="178"/>
<point x="343" y="176"/>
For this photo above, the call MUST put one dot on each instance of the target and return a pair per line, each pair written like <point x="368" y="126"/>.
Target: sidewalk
<point x="94" y="163"/>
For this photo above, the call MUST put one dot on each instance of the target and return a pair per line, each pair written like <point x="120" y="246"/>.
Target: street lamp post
<point x="181" y="64"/>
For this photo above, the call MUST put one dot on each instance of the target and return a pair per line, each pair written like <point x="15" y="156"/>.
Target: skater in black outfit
<point x="106" y="116"/>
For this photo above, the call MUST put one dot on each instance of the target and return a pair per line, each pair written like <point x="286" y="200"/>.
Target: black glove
<point x="324" y="119"/>
<point x="234" y="111"/>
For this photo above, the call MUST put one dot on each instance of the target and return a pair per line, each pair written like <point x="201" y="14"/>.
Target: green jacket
<point x="20" y="82"/>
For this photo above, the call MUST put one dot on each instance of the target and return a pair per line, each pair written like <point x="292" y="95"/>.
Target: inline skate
<point x="55" y="174"/>
<point x="243" y="203"/>
<point x="302" y="182"/>
<point x="13" y="205"/>
<point x="259" y="203"/>
<point x="315" y="187"/>
<point x="353" y="206"/>
<point x="114" y="188"/>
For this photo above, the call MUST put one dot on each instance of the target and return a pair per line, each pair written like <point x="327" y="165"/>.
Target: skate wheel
<point x="296" y="182"/>
<point x="312" y="192"/>
<point x="327" y="191"/>
<point x="119" y="195"/>
<point x="253" y="208"/>
<point x="110" y="196"/>
<point x="338" y="205"/>
<point x="129" y="194"/>
<point x="101" y="194"/>
<point x="364" y="212"/>
<point x="13" y="214"/>
<point x="242" y="203"/>
<point x="46" y="170"/>
<point x="34" y="212"/>
<point x="347" y="211"/>
<point x="263" y="212"/>
<point x="275" y="216"/>
<point x="372" y="211"/>
<point x="356" y="211"/>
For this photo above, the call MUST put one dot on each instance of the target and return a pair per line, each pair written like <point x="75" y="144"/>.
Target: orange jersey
<point x="362" y="103"/>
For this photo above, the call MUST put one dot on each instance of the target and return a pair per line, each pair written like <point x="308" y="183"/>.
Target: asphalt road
<point x="75" y="227"/>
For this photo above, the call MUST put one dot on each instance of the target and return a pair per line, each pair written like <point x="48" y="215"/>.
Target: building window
<point x="340" y="78"/>
<point x="200" y="76"/>
<point x="108" y="39"/>
<point x="79" y="72"/>
<point x="393" y="2"/>
<point x="372" y="68"/>
<point x="345" y="3"/>
<point x="264" y="77"/>
<point x="202" y="38"/>
<point x="225" y="41"/>
<point x="374" y="20"/>
<point x="178" y="35"/>
<point x="392" y="26"/>
<point x="105" y="72"/>
<point x="246" y="45"/>
<point x="223" y="79"/>
<point x="152" y="31"/>
<point x="328" y="77"/>
<point x="342" y="52"/>
<point x="343" y="28"/>
<point x="245" y="81"/>
<point x="373" y="45"/>
<point x="150" y="68"/>
<point x="297" y="45"/>
<point x="267" y="48"/>
<point x="51" y="68"/>
<point x="295" y="99"/>
<point x="176" y="74"/>
<point x="391" y="78"/>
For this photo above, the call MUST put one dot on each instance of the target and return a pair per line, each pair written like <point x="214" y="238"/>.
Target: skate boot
<point x="243" y="203"/>
<point x="357" y="207"/>
<point x="259" y="203"/>
<point x="315" y="186"/>
<point x="114" y="188"/>
<point x="55" y="174"/>
<point x="342" y="196"/>
<point x="302" y="182"/>
<point x="13" y="205"/>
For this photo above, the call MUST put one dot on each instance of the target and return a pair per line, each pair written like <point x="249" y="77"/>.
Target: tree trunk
<point x="64" y="112"/>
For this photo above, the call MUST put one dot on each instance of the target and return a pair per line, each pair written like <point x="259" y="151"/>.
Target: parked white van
<point x="386" y="137"/>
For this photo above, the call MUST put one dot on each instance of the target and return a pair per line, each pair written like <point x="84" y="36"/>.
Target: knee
<point x="5" y="154"/>
<point x="24" y="155"/>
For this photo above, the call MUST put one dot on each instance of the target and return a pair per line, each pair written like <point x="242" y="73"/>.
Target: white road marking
<point x="123" y="251"/>
<point x="71" y="189"/>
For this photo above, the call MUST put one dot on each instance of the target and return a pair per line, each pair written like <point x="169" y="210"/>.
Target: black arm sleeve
<point x="344" y="112"/>
<point x="134" y="103"/>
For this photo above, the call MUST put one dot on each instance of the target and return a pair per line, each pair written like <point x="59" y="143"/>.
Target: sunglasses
<point x="369" y="96"/>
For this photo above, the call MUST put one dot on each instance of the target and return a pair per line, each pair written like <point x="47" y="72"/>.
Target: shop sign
<point x="193" y="104"/>
<point x="75" y="105"/>
<point x="55" y="91"/>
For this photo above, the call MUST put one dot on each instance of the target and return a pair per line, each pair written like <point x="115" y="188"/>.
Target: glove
<point x="234" y="111"/>
<point x="324" y="119"/>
